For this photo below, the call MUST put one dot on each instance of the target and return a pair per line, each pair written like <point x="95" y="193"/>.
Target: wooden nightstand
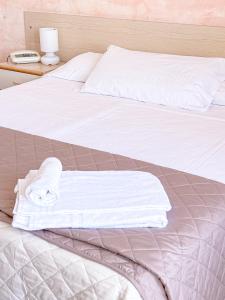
<point x="14" y="74"/>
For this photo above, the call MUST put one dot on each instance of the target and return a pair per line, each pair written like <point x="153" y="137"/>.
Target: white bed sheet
<point x="54" y="108"/>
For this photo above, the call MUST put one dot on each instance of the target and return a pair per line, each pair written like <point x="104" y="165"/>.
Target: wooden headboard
<point x="78" y="34"/>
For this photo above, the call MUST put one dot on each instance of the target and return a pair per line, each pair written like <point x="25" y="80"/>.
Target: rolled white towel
<point x="44" y="188"/>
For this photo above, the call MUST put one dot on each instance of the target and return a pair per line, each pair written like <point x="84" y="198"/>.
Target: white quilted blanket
<point x="31" y="267"/>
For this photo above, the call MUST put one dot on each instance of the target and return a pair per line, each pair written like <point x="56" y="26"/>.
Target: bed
<point x="185" y="261"/>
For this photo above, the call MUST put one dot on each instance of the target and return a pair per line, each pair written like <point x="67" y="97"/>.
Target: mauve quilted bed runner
<point x="185" y="260"/>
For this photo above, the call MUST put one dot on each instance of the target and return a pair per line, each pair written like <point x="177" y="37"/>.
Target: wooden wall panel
<point x="78" y="34"/>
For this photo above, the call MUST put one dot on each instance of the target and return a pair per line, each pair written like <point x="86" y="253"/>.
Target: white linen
<point x="43" y="190"/>
<point x="32" y="268"/>
<point x="219" y="98"/>
<point x="54" y="108"/>
<point x="94" y="199"/>
<point x="78" y="68"/>
<point x="158" y="219"/>
<point x="179" y="81"/>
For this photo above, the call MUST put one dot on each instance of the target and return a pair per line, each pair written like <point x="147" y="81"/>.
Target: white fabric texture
<point x="78" y="68"/>
<point x="219" y="98"/>
<point x="179" y="81"/>
<point x="55" y="108"/>
<point x="31" y="267"/>
<point x="43" y="190"/>
<point x="98" y="199"/>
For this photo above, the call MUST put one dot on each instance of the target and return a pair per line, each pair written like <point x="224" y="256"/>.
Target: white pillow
<point x="219" y="98"/>
<point x="180" y="81"/>
<point x="78" y="68"/>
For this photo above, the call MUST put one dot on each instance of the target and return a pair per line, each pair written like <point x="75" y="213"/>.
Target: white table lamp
<point x="49" y="44"/>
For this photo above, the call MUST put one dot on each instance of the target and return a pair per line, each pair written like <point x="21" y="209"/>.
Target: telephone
<point x="25" y="57"/>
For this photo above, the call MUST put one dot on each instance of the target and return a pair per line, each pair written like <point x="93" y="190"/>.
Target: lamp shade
<point x="49" y="39"/>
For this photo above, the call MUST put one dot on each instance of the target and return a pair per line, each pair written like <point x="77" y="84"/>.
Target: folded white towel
<point x="43" y="189"/>
<point x="123" y="219"/>
<point x="95" y="200"/>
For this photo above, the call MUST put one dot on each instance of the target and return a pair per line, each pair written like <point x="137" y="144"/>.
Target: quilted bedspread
<point x="33" y="269"/>
<point x="185" y="260"/>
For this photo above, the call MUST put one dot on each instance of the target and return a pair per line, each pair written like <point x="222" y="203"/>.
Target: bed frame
<point x="78" y="34"/>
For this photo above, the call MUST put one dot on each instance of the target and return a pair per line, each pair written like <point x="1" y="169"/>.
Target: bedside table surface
<point x="33" y="69"/>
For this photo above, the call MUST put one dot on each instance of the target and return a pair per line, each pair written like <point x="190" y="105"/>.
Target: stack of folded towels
<point x="52" y="198"/>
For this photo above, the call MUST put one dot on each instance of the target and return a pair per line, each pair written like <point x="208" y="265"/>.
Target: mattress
<point x="55" y="109"/>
